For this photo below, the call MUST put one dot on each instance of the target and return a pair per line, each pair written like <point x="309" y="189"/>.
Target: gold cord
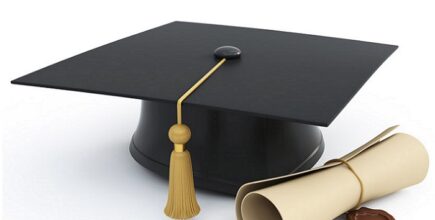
<point x="192" y="89"/>
<point x="361" y="194"/>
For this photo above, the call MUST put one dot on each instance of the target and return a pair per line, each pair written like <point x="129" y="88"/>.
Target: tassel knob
<point x="179" y="134"/>
<point x="181" y="202"/>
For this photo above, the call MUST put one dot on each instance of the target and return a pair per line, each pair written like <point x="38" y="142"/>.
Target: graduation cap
<point x="252" y="98"/>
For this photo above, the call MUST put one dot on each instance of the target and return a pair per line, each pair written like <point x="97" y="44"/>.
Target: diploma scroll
<point x="384" y="165"/>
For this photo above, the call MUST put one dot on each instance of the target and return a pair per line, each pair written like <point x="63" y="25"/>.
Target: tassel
<point x="181" y="202"/>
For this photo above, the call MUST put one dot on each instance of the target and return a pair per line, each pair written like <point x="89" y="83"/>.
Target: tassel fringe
<point x="181" y="202"/>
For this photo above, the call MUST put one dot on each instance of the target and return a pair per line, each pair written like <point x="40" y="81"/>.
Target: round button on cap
<point x="227" y="52"/>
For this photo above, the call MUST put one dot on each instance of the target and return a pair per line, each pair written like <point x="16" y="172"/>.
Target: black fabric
<point x="289" y="76"/>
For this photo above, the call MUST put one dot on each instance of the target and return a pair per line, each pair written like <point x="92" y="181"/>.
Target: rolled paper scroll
<point x="384" y="165"/>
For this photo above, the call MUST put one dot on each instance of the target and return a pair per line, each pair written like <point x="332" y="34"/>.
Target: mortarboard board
<point x="255" y="118"/>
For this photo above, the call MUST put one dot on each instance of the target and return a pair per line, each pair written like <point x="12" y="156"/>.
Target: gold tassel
<point x="181" y="202"/>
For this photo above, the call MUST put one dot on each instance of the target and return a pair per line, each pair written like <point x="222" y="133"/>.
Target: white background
<point x="65" y="154"/>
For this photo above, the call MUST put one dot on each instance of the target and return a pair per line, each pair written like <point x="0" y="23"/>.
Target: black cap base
<point x="227" y="149"/>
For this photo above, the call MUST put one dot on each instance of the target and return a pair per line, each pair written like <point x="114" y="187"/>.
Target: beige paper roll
<point x="326" y="192"/>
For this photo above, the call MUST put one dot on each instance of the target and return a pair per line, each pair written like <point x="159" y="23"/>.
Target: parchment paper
<point x="384" y="166"/>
